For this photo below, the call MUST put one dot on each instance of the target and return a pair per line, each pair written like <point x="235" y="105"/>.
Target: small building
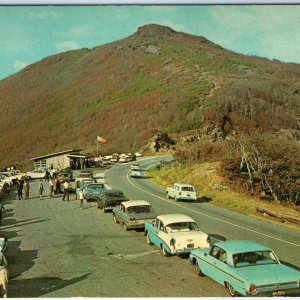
<point x="61" y="160"/>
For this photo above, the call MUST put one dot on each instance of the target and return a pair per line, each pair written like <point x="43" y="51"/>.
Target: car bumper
<point x="277" y="293"/>
<point x="138" y="223"/>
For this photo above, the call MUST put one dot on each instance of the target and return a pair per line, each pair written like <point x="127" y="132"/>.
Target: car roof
<point x="135" y="203"/>
<point x="242" y="246"/>
<point x="94" y="183"/>
<point x="174" y="218"/>
<point x="183" y="184"/>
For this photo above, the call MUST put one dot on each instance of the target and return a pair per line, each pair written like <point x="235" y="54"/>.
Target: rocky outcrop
<point x="160" y="141"/>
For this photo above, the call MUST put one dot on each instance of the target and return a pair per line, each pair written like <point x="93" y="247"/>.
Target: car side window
<point x="215" y="252"/>
<point x="223" y="256"/>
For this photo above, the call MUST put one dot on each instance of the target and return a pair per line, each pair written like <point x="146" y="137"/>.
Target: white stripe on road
<point x="208" y="216"/>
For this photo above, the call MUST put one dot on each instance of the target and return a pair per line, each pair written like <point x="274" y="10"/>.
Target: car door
<point x="153" y="231"/>
<point x="216" y="267"/>
<point x="119" y="213"/>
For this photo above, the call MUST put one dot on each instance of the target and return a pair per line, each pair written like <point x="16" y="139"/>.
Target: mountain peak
<point x="155" y="30"/>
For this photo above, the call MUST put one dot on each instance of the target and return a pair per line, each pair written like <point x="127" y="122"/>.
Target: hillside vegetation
<point x="159" y="80"/>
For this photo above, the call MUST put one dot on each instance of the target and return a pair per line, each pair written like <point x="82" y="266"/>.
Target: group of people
<point x="23" y="185"/>
<point x="55" y="188"/>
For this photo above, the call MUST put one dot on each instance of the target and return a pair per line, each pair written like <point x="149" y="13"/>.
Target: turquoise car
<point x="91" y="190"/>
<point x="246" y="268"/>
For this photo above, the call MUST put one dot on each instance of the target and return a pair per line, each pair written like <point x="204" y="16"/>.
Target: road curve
<point x="220" y="223"/>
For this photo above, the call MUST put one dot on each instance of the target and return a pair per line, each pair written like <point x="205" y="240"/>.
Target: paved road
<point x="57" y="250"/>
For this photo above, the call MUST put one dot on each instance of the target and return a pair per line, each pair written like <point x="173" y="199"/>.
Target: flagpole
<point x="97" y="146"/>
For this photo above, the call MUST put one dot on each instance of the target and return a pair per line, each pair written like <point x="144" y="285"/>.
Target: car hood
<point x="268" y="274"/>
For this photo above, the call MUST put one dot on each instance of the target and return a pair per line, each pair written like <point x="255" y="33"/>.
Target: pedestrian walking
<point x="20" y="189"/>
<point x="81" y="197"/>
<point x="26" y="189"/>
<point x="66" y="190"/>
<point x="41" y="188"/>
<point x="51" y="186"/>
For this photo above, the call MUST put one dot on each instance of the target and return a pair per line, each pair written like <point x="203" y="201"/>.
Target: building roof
<point x="56" y="154"/>
<point x="174" y="218"/>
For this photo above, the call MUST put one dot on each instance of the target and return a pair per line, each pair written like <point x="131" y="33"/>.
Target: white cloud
<point x="18" y="65"/>
<point x="66" y="46"/>
<point x="43" y="15"/>
<point x="81" y="30"/>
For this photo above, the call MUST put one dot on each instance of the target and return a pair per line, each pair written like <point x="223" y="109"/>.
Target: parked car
<point x="133" y="214"/>
<point x="182" y="191"/>
<point x="83" y="175"/>
<point x="65" y="176"/>
<point x="135" y="174"/>
<point x="246" y="268"/>
<point x="6" y="179"/>
<point x="91" y="191"/>
<point x="123" y="158"/>
<point x="36" y="174"/>
<point x="135" y="166"/>
<point x="108" y="199"/>
<point x="175" y="234"/>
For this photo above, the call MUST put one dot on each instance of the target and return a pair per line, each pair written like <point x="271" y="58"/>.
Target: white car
<point x="135" y="174"/>
<point x="36" y="174"/>
<point x="182" y="191"/>
<point x="176" y="234"/>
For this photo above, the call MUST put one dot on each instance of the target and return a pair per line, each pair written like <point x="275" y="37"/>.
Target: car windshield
<point x="254" y="258"/>
<point x="139" y="209"/>
<point x="181" y="227"/>
<point x="187" y="189"/>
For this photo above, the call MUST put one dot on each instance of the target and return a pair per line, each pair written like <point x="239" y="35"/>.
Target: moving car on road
<point x="182" y="191"/>
<point x="175" y="234"/>
<point x="246" y="268"/>
<point x="108" y="199"/>
<point x="135" y="174"/>
<point x="133" y="214"/>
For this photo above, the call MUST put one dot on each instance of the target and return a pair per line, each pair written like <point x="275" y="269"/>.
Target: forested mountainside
<point x="157" y="79"/>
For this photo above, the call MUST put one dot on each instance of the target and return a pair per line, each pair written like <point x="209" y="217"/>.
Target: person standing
<point x="81" y="197"/>
<point x="20" y="189"/>
<point x="41" y="189"/>
<point x="51" y="186"/>
<point x="57" y="187"/>
<point x="26" y="189"/>
<point x="66" y="190"/>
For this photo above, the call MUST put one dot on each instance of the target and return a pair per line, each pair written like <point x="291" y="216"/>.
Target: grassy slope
<point x="203" y="177"/>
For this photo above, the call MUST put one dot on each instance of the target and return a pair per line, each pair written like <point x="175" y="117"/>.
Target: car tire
<point x="148" y="239"/>
<point x="198" y="270"/>
<point x="232" y="291"/>
<point x="125" y="226"/>
<point x="115" y="219"/>
<point x="168" y="196"/>
<point x="164" y="251"/>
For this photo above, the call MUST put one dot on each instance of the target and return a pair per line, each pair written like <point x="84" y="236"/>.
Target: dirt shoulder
<point x="212" y="188"/>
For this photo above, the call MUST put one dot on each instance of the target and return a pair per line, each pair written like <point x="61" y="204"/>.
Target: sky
<point x="31" y="33"/>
